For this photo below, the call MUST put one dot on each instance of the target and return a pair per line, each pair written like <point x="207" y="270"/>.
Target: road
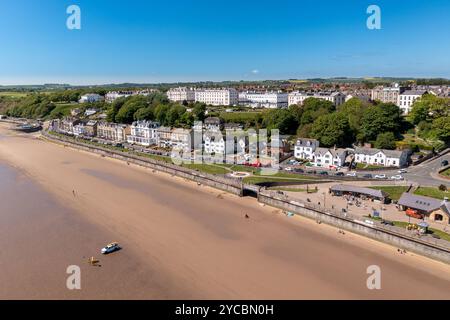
<point x="424" y="174"/>
<point x="427" y="173"/>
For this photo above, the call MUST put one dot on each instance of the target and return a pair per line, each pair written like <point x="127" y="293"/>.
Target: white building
<point x="217" y="97"/>
<point x="79" y="130"/>
<point x="407" y="98"/>
<point x="274" y="99"/>
<point x="112" y="131"/>
<point x="387" y="94"/>
<point x="218" y="143"/>
<point x="296" y="97"/>
<point x="182" y="139"/>
<point x="111" y="96"/>
<point x="360" y="96"/>
<point x="90" y="112"/>
<point x="213" y="123"/>
<point x="304" y="148"/>
<point x="378" y="157"/>
<point x="143" y="133"/>
<point x="324" y="157"/>
<point x="90" y="97"/>
<point x="181" y="94"/>
<point x="214" y="142"/>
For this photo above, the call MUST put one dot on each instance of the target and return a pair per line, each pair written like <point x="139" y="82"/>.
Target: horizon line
<point x="45" y="83"/>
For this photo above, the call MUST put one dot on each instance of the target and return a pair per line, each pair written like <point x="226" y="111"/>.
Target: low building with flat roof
<point x="343" y="189"/>
<point x="421" y="204"/>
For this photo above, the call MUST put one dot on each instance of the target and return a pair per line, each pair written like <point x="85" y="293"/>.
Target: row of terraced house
<point x="309" y="149"/>
<point x="211" y="137"/>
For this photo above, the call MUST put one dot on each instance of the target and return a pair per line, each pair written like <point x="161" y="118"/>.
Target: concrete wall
<point x="393" y="235"/>
<point x="440" y="250"/>
<point x="226" y="184"/>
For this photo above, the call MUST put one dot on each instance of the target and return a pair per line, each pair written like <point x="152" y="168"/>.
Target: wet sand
<point x="180" y="241"/>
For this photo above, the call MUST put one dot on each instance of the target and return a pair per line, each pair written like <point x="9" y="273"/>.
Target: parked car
<point x="367" y="176"/>
<point x="114" y="246"/>
<point x="351" y="174"/>
<point x="387" y="222"/>
<point x="396" y="177"/>
<point x="444" y="163"/>
<point x="323" y="173"/>
<point x="298" y="170"/>
<point x="414" y="214"/>
<point x="380" y="176"/>
<point x="340" y="174"/>
<point x="288" y="169"/>
<point x="402" y="171"/>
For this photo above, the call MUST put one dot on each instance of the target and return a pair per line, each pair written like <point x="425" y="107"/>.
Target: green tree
<point x="280" y="119"/>
<point x="145" y="113"/>
<point x="385" y="140"/>
<point x="441" y="129"/>
<point x="354" y="111"/>
<point x="332" y="129"/>
<point x="428" y="108"/>
<point x="198" y="111"/>
<point x="114" y="108"/>
<point x="314" y="108"/>
<point x="384" y="117"/>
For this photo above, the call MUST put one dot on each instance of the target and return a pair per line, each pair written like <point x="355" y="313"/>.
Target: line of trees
<point x="355" y="121"/>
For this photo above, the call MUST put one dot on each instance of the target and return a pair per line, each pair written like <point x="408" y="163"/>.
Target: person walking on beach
<point x="73" y="192"/>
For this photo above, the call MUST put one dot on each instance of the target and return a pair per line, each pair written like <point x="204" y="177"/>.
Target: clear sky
<point x="170" y="41"/>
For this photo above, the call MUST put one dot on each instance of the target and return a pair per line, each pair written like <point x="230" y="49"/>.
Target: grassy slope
<point x="394" y="192"/>
<point x="432" y="192"/>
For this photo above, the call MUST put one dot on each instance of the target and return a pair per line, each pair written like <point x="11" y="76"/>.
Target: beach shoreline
<point x="198" y="240"/>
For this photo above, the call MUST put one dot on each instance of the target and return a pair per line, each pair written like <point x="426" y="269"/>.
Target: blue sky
<point x="169" y="41"/>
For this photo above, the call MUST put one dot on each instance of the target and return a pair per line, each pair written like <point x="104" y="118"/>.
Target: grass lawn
<point x="394" y="192"/>
<point x="12" y="94"/>
<point x="443" y="235"/>
<point x="446" y="172"/>
<point x="207" y="168"/>
<point x="62" y="109"/>
<point x="310" y="190"/>
<point x="400" y="224"/>
<point x="367" y="166"/>
<point x="260" y="179"/>
<point x="432" y="192"/>
<point x="153" y="156"/>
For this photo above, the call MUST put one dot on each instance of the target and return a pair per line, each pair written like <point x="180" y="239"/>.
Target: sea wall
<point x="436" y="248"/>
<point x="230" y="185"/>
<point x="400" y="238"/>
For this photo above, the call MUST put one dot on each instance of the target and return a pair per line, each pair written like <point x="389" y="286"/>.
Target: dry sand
<point x="180" y="241"/>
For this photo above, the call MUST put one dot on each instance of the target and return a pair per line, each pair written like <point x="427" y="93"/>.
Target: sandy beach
<point x="180" y="240"/>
